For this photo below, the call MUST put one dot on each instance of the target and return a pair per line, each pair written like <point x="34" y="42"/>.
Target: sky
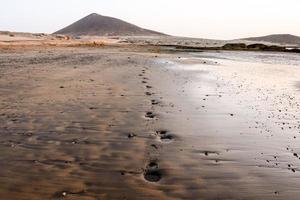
<point x="214" y="19"/>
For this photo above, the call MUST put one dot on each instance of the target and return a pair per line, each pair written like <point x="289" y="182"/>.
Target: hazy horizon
<point x="194" y="18"/>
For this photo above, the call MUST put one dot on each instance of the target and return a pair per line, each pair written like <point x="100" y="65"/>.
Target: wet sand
<point x="123" y="123"/>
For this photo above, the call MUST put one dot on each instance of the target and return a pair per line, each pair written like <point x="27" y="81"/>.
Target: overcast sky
<point x="218" y="19"/>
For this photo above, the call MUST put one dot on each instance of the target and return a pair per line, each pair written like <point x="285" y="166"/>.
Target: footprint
<point x="148" y="86"/>
<point x="150" y="115"/>
<point x="152" y="172"/>
<point x="148" y="93"/>
<point x="164" y="136"/>
<point x="154" y="102"/>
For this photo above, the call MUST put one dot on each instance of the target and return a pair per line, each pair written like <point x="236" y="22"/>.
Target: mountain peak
<point x="93" y="15"/>
<point x="98" y="25"/>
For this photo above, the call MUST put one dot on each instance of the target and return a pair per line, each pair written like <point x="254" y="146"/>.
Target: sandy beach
<point x="126" y="122"/>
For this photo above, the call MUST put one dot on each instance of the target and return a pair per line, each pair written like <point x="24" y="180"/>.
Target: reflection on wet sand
<point x="298" y="84"/>
<point x="84" y="123"/>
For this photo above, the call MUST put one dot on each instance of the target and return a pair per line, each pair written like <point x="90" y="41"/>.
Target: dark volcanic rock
<point x="294" y="50"/>
<point x="257" y="46"/>
<point x="234" y="46"/>
<point x="264" y="47"/>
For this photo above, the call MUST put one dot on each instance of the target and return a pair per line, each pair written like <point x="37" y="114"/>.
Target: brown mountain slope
<point x="98" y="25"/>
<point x="277" y="38"/>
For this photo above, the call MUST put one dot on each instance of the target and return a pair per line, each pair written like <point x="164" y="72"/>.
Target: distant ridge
<point x="98" y="25"/>
<point x="277" y="38"/>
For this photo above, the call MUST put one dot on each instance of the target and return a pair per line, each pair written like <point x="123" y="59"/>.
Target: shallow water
<point x="246" y="112"/>
<point x="257" y="57"/>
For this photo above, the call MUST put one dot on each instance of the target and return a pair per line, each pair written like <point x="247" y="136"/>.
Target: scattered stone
<point x="296" y="155"/>
<point x="234" y="46"/>
<point x="131" y="135"/>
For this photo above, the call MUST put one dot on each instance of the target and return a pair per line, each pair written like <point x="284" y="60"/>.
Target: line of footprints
<point x="152" y="172"/>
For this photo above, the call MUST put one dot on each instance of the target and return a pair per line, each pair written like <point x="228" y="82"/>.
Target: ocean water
<point x="278" y="58"/>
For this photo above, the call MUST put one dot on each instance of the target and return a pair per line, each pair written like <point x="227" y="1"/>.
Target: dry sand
<point x="17" y="40"/>
<point x="127" y="123"/>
